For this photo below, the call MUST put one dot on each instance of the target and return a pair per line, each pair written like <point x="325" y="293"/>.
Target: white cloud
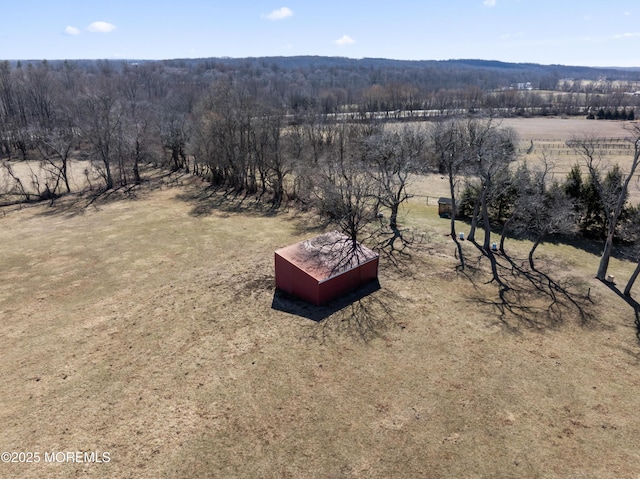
<point x="344" y="40"/>
<point x="101" y="27"/>
<point x="509" y="36"/>
<point x="627" y="35"/>
<point x="279" y="14"/>
<point x="71" y="31"/>
<point x="489" y="3"/>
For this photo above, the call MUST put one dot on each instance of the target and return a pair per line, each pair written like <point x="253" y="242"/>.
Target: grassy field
<point x="34" y="176"/>
<point x="148" y="327"/>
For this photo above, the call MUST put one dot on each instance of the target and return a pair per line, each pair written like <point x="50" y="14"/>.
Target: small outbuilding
<point x="320" y="269"/>
<point x="445" y="206"/>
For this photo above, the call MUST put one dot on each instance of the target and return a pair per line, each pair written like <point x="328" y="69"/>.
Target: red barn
<point x="323" y="268"/>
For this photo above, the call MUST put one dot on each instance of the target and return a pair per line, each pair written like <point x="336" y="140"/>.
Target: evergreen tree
<point x="593" y="220"/>
<point x="573" y="184"/>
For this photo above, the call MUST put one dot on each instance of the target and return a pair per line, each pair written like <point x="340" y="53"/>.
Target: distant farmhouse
<point x="522" y="86"/>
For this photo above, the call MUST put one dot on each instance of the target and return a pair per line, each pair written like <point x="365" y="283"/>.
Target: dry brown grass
<point x="562" y="129"/>
<point x="149" y="328"/>
<point x="34" y="175"/>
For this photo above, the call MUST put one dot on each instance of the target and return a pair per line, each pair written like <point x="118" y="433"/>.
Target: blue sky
<point x="572" y="32"/>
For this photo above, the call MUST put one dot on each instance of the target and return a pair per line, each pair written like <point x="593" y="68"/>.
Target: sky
<point x="569" y="32"/>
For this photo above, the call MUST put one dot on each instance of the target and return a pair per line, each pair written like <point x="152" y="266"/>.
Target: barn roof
<point x="327" y="255"/>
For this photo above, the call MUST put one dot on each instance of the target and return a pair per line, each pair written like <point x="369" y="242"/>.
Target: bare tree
<point x="631" y="233"/>
<point x="100" y="116"/>
<point x="449" y="148"/>
<point x="55" y="148"/>
<point x="346" y="193"/>
<point x="13" y="186"/>
<point x="138" y="142"/>
<point x="394" y="156"/>
<point x="269" y="140"/>
<point x="491" y="149"/>
<point x="543" y="210"/>
<point x="613" y="199"/>
<point x="174" y="132"/>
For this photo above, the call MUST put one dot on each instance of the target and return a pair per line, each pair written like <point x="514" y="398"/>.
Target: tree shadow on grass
<point x="396" y="244"/>
<point x="362" y="314"/>
<point x="78" y="203"/>
<point x="306" y="223"/>
<point x="81" y="201"/>
<point x="206" y="201"/>
<point x="533" y="299"/>
<point x="630" y="301"/>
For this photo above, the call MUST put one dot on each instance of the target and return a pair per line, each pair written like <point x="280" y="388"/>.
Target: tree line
<point x="612" y="115"/>
<point x="254" y="133"/>
<point x="525" y="201"/>
<point x="120" y="115"/>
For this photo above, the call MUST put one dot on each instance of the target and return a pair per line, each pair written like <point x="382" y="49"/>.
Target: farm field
<point x="562" y="129"/>
<point x="548" y="136"/>
<point x="148" y="327"/>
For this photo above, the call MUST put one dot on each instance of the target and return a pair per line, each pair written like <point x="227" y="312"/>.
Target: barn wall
<point x="292" y="280"/>
<point x="369" y="271"/>
<point x="338" y="285"/>
<point x="348" y="281"/>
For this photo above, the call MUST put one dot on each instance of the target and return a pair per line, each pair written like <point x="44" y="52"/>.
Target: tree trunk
<point x="487" y="238"/>
<point x="606" y="253"/>
<point x="485" y="221"/>
<point x="65" y="178"/>
<point x="474" y="220"/>
<point x="454" y="236"/>
<point x="136" y="170"/>
<point x="505" y="228"/>
<point x="393" y="217"/>
<point x="532" y="251"/>
<point x="634" y="276"/>
<point x="108" y="179"/>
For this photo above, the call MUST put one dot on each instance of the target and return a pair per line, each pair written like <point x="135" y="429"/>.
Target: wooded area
<point x="314" y="131"/>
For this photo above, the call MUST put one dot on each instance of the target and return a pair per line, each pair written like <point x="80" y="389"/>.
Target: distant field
<point x="149" y="328"/>
<point x="561" y="129"/>
<point x="549" y="136"/>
